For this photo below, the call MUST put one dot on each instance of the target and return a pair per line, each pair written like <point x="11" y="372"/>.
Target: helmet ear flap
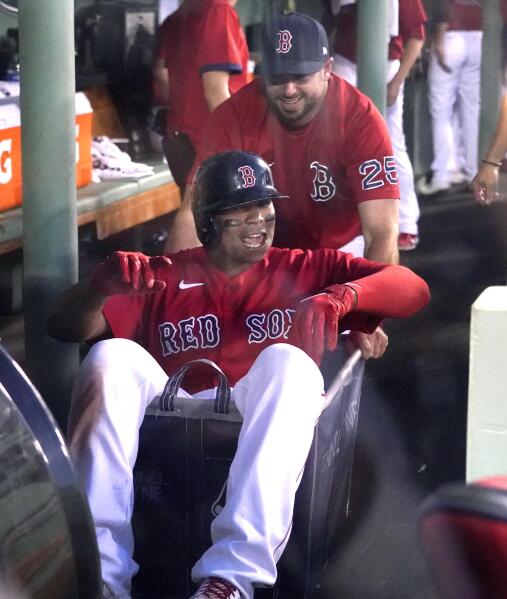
<point x="205" y="227"/>
<point x="207" y="231"/>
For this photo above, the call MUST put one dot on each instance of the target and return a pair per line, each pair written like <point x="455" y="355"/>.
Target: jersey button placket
<point x="228" y="308"/>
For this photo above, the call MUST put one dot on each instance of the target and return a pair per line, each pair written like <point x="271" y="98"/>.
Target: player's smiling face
<point x="296" y="99"/>
<point x="246" y="236"/>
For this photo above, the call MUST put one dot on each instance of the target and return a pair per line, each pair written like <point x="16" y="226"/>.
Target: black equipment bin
<point x="180" y="480"/>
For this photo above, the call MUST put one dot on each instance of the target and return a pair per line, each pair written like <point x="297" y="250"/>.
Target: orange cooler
<point x="10" y="157"/>
<point x="83" y="140"/>
<point x="10" y="150"/>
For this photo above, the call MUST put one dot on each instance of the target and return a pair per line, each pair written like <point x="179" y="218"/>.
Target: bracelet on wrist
<point x="491" y="162"/>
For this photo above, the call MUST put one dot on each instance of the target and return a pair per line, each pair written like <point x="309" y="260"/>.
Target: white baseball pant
<point x="409" y="206"/>
<point x="457" y="90"/>
<point x="280" y="400"/>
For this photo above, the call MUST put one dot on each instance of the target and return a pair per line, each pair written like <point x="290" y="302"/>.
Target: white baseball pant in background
<point x="280" y="400"/>
<point x="458" y="90"/>
<point x="409" y="206"/>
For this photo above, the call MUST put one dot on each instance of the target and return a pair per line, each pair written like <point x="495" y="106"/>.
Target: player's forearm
<point x="382" y="248"/>
<point x="77" y="314"/>
<point x="498" y="147"/>
<point x="411" y="53"/>
<point x="379" y="225"/>
<point x="216" y="88"/>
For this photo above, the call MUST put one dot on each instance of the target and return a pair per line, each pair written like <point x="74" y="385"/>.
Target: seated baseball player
<point x="264" y="315"/>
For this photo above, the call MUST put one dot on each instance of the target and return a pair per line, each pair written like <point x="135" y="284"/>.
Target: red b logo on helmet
<point x="248" y="175"/>
<point x="284" y="41"/>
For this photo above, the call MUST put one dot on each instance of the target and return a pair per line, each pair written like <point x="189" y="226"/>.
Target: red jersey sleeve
<point x="222" y="42"/>
<point x="386" y="290"/>
<point x="412" y="19"/>
<point x="383" y="290"/>
<point x="460" y="15"/>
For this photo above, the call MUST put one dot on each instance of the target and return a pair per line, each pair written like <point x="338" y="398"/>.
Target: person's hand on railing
<point x="372" y="345"/>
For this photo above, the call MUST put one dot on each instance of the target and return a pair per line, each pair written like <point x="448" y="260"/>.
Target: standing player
<point x="328" y="146"/>
<point x="454" y="84"/>
<point x="404" y="49"/>
<point x="246" y="306"/>
<point x="200" y="60"/>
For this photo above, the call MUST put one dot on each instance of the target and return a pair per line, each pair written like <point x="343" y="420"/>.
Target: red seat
<point x="463" y="530"/>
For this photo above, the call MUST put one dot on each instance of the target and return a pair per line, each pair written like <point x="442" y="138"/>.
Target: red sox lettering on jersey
<point x="203" y="332"/>
<point x="203" y="313"/>
<point x="273" y="325"/>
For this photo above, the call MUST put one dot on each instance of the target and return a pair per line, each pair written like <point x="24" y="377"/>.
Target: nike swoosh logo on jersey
<point x="184" y="285"/>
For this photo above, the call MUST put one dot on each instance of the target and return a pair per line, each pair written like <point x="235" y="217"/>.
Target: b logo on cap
<point x="284" y="41"/>
<point x="248" y="175"/>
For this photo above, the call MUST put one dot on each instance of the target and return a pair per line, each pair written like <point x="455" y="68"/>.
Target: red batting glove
<point x="128" y="273"/>
<point x="316" y="320"/>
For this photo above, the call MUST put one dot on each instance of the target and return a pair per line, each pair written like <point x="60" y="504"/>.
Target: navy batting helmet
<point x="226" y="181"/>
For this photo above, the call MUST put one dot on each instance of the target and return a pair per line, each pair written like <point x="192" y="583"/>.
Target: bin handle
<point x="342" y="378"/>
<point x="222" y="397"/>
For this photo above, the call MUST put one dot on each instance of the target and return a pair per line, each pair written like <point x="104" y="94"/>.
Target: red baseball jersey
<point x="342" y="157"/>
<point x="203" y="313"/>
<point x="460" y="15"/>
<point x="201" y="36"/>
<point x="412" y="18"/>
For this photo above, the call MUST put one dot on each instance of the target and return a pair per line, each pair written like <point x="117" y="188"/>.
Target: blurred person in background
<point x="201" y="58"/>
<point x="454" y="84"/>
